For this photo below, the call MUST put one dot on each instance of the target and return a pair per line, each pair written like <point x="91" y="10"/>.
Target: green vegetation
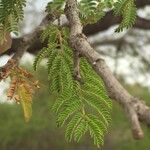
<point x="82" y="108"/>
<point x="41" y="132"/>
<point x="11" y="12"/>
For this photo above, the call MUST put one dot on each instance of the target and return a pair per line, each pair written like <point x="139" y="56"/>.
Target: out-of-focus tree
<point x="83" y="96"/>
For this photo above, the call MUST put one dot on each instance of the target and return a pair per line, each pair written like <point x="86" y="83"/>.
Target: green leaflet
<point x="55" y="7"/>
<point x="80" y="107"/>
<point x="96" y="129"/>
<point x="11" y="12"/>
<point x="126" y="9"/>
<point x="40" y="56"/>
<point x="72" y="125"/>
<point x="80" y="130"/>
<point x="70" y="106"/>
<point x="91" y="10"/>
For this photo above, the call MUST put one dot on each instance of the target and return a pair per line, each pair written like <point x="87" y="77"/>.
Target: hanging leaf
<point x="26" y="101"/>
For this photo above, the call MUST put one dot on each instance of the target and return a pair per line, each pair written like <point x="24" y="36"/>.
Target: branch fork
<point x="134" y="108"/>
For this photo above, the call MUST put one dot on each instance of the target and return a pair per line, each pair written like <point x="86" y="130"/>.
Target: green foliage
<point x="127" y="9"/>
<point x="94" y="10"/>
<point x="17" y="135"/>
<point x="91" y="10"/>
<point x="55" y="7"/>
<point x="80" y="107"/>
<point x="11" y="12"/>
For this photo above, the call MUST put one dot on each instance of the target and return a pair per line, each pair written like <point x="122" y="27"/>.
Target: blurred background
<point x="127" y="54"/>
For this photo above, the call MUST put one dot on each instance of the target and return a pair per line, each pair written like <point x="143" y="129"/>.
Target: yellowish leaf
<point x="26" y="101"/>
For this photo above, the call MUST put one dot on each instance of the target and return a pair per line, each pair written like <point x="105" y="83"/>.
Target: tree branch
<point x="133" y="107"/>
<point x="121" y="44"/>
<point x="101" y="25"/>
<point x="111" y="20"/>
<point x="23" y="45"/>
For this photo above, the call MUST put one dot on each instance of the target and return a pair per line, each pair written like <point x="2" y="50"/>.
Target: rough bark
<point x="101" y="25"/>
<point x="133" y="107"/>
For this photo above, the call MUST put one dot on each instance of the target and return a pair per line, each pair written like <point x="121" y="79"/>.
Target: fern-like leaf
<point x="26" y="101"/>
<point x="76" y="101"/>
<point x="69" y="108"/>
<point x="11" y="12"/>
<point x="80" y="130"/>
<point x="71" y="126"/>
<point x="42" y="54"/>
<point x="127" y="9"/>
<point x="96" y="129"/>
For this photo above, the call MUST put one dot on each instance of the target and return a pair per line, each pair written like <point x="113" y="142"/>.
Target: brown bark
<point x="101" y="25"/>
<point x="133" y="107"/>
